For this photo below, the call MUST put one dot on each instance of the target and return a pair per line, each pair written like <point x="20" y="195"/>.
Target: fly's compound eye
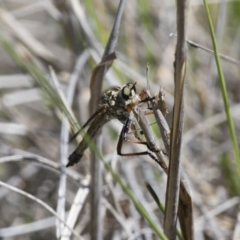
<point x="128" y="91"/>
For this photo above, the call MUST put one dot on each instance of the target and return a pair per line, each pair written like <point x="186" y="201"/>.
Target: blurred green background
<point x="57" y="33"/>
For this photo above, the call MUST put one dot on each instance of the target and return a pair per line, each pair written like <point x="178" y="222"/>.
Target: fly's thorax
<point x="110" y="97"/>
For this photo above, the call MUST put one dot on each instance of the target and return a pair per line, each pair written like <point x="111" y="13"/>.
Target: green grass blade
<point x="223" y="90"/>
<point x="160" y="205"/>
<point x="29" y="66"/>
<point x="143" y="212"/>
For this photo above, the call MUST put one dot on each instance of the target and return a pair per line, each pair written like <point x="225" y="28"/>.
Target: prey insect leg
<point x="138" y="140"/>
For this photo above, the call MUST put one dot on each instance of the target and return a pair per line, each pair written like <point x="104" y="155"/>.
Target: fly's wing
<point x="88" y="121"/>
<point x="103" y="101"/>
<point x="94" y="129"/>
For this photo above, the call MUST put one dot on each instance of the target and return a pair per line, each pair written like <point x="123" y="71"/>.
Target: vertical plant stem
<point x="174" y="171"/>
<point x="223" y="90"/>
<point x="96" y="88"/>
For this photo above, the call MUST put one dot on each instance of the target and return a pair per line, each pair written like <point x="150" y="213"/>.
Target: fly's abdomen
<point x="90" y="135"/>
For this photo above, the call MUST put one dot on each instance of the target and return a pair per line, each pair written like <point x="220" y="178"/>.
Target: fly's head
<point x="128" y="91"/>
<point x="120" y="101"/>
<point x="130" y="96"/>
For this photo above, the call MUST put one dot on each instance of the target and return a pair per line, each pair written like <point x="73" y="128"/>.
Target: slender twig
<point x="236" y="233"/>
<point x="210" y="51"/>
<point x="29" y="65"/>
<point x="76" y="207"/>
<point x="96" y="88"/>
<point x="226" y="205"/>
<point x="82" y="193"/>
<point x="41" y="203"/>
<point x="80" y="196"/>
<point x="209" y="123"/>
<point x="143" y="123"/>
<point x="122" y="221"/>
<point x="131" y="179"/>
<point x="27" y="38"/>
<point x="81" y="16"/>
<point x="211" y="224"/>
<point x="35" y="226"/>
<point x="63" y="160"/>
<point x="185" y="211"/>
<point x="44" y="162"/>
<point x="173" y="183"/>
<point x="65" y="133"/>
<point x="162" y="123"/>
<point x="139" y="206"/>
<point x="160" y="204"/>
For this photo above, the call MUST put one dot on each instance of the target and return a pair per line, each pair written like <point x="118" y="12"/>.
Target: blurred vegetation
<point x="29" y="126"/>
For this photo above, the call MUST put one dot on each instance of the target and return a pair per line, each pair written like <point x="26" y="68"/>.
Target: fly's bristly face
<point x="128" y="91"/>
<point x="129" y="94"/>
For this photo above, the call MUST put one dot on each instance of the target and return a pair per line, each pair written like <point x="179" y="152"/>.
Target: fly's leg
<point x="123" y="137"/>
<point x="160" y="103"/>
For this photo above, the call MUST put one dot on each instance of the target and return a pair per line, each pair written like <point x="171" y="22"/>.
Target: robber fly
<point x="115" y="103"/>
